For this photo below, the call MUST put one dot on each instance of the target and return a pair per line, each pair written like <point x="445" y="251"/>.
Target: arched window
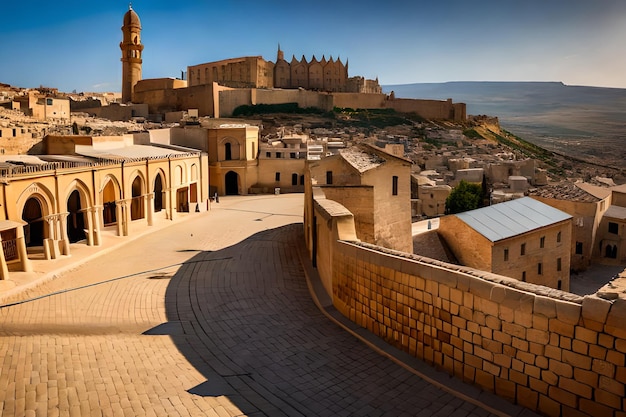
<point x="227" y="151"/>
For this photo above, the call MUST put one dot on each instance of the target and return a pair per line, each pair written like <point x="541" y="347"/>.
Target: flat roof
<point x="512" y="218"/>
<point x="127" y="152"/>
<point x="616" y="212"/>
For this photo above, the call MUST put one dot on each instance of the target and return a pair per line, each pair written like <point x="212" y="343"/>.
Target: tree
<point x="465" y="196"/>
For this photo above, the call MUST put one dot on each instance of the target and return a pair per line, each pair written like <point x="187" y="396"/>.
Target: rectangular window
<point x="613" y="228"/>
<point x="506" y="254"/>
<point x="558" y="237"/>
<point x="329" y="177"/>
<point x="558" y="264"/>
<point x="268" y="154"/>
<point x="292" y="155"/>
<point x="542" y="242"/>
<point x="49" y="101"/>
<point x="277" y="177"/>
<point x="394" y="185"/>
<point x="579" y="248"/>
<point x="279" y="155"/>
<point x="539" y="268"/>
<point x="523" y="249"/>
<point x="524" y="276"/>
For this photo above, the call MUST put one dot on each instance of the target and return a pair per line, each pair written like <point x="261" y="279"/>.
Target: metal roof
<point x="512" y="218"/>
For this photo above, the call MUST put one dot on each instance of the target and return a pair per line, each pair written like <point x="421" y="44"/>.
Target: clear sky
<point x="74" y="45"/>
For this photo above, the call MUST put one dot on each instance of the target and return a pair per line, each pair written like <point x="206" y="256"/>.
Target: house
<point x="523" y="239"/>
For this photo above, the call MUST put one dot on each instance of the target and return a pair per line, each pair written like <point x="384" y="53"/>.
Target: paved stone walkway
<point x="211" y="316"/>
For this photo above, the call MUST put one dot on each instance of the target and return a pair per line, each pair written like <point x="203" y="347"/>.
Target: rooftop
<point x="512" y="218"/>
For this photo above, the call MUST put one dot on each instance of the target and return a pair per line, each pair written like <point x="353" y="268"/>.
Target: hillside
<point x="585" y="122"/>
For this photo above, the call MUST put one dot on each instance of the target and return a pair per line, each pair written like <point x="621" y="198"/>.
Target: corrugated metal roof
<point x="616" y="212"/>
<point x="512" y="218"/>
<point x="126" y="152"/>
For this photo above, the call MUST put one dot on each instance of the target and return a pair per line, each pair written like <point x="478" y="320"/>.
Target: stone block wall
<point x="550" y="351"/>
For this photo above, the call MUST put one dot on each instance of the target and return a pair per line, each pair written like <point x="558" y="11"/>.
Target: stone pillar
<point x="89" y="214"/>
<point x="170" y="203"/>
<point x="62" y="227"/>
<point x="119" y="217"/>
<point x="126" y="216"/>
<point x="50" y="248"/>
<point x="149" y="207"/>
<point x="25" y="263"/>
<point x="4" y="269"/>
<point x="95" y="213"/>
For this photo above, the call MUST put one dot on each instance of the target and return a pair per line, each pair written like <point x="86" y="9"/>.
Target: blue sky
<point x="75" y="46"/>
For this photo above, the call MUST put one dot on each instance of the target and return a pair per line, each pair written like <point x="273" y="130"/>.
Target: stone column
<point x="95" y="213"/>
<point x="49" y="246"/>
<point x="88" y="213"/>
<point x="4" y="269"/>
<point x="149" y="207"/>
<point x="65" y="240"/>
<point x="22" y="251"/>
<point x="118" y="217"/>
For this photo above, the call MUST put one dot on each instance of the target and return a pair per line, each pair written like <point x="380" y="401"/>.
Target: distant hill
<point x="582" y="121"/>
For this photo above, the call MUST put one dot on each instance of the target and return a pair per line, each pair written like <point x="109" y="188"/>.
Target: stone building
<point x="87" y="187"/>
<point x="42" y="106"/>
<point x="522" y="239"/>
<point x="282" y="164"/>
<point x="375" y="187"/>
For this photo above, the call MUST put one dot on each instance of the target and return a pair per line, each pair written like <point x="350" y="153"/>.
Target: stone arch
<point x="232" y="183"/>
<point x="158" y="188"/>
<point x="179" y="175"/>
<point x="137" y="190"/>
<point x="229" y="149"/>
<point x="194" y="172"/>
<point x="110" y="193"/>
<point x="78" y="202"/>
<point x="34" y="204"/>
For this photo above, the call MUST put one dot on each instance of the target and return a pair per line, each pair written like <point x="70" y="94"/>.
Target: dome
<point x="131" y="18"/>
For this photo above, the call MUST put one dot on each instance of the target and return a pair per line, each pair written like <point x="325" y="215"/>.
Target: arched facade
<point x="230" y="149"/>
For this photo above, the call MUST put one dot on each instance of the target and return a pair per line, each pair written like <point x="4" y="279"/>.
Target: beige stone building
<point x="375" y="187"/>
<point x="43" y="106"/>
<point x="87" y="187"/>
<point x="281" y="165"/>
<point x="522" y="239"/>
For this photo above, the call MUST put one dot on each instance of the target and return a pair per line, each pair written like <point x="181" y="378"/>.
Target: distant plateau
<point x="584" y="122"/>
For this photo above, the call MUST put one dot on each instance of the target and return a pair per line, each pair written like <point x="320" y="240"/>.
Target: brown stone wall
<point x="358" y="200"/>
<point x="469" y="247"/>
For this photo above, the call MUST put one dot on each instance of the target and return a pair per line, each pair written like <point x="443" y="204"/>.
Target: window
<point x="524" y="276"/>
<point x="294" y="179"/>
<point x="268" y="154"/>
<point x="558" y="237"/>
<point x="506" y="254"/>
<point x="613" y="228"/>
<point x="394" y="185"/>
<point x="579" y="248"/>
<point x="523" y="249"/>
<point x="559" y="285"/>
<point x="329" y="177"/>
<point x="227" y="152"/>
<point x="539" y="268"/>
<point x="558" y="264"/>
<point x="253" y="150"/>
<point x="301" y="179"/>
<point x="279" y="154"/>
<point x="292" y="155"/>
<point x="542" y="242"/>
<point x="277" y="176"/>
<point x="49" y="101"/>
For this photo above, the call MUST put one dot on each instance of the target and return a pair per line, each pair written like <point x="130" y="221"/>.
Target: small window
<point x="292" y="155"/>
<point x="277" y="176"/>
<point x="613" y="228"/>
<point x="294" y="179"/>
<point x="524" y="276"/>
<point x="279" y="154"/>
<point x="523" y="249"/>
<point x="558" y="237"/>
<point x="558" y="264"/>
<point x="268" y="154"/>
<point x="559" y="285"/>
<point x="329" y="177"/>
<point x="394" y="185"/>
<point x="539" y="268"/>
<point x="506" y="254"/>
<point x="579" y="248"/>
<point x="301" y="179"/>
<point x="542" y="242"/>
<point x="49" y="101"/>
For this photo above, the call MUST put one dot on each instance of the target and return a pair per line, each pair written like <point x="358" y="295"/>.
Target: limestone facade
<point x="43" y="106"/>
<point x="375" y="187"/>
<point x="535" y="253"/>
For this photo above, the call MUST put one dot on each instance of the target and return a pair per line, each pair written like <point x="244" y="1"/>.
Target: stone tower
<point x="131" y="54"/>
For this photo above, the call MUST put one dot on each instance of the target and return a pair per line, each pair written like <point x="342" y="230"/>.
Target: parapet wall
<point x="550" y="351"/>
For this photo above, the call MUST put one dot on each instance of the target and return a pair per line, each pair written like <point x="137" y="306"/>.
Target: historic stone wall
<point x="550" y="351"/>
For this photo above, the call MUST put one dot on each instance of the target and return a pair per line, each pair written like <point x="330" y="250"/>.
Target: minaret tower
<point x="131" y="54"/>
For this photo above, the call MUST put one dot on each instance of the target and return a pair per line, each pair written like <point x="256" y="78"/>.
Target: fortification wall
<point x="550" y="351"/>
<point x="359" y="100"/>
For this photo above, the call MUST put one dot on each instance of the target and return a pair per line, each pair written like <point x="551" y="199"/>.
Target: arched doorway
<point x="32" y="214"/>
<point x="75" y="219"/>
<point x="158" y="193"/>
<point x="109" y="215"/>
<point x="232" y="183"/>
<point x="136" y="205"/>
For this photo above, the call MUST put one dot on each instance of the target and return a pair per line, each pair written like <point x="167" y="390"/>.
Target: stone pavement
<point x="210" y="316"/>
